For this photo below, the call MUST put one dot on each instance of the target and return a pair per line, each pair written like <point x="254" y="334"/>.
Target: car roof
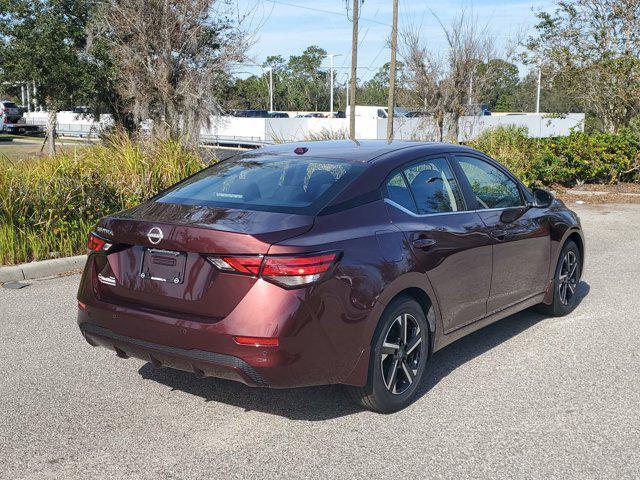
<point x="362" y="151"/>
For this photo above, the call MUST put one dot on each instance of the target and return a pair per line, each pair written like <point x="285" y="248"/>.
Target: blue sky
<point x="287" y="27"/>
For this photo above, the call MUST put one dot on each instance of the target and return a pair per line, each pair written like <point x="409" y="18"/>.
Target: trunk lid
<point x="156" y="238"/>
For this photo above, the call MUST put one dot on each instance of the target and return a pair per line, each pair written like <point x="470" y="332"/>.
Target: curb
<point x="45" y="268"/>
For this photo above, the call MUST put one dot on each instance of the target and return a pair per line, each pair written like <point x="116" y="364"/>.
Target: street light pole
<point x="354" y="70"/>
<point x="391" y="107"/>
<point x="539" y="87"/>
<point x="270" y="89"/>
<point x="331" y="55"/>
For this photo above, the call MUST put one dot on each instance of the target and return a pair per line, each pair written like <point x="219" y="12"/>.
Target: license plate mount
<point x="163" y="265"/>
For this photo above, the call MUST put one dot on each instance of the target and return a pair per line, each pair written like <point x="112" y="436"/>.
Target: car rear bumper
<point x="304" y="359"/>
<point x="199" y="362"/>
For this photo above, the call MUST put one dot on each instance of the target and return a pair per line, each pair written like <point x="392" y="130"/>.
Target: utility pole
<point x="392" y="73"/>
<point x="331" y="55"/>
<point x="271" y="89"/>
<point x="354" y="70"/>
<point x="539" y="87"/>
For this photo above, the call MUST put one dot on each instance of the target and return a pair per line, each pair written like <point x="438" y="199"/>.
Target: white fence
<point x="259" y="131"/>
<point x="538" y="125"/>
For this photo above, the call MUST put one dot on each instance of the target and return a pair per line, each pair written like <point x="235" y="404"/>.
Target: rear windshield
<point x="268" y="183"/>
<point x="9" y="104"/>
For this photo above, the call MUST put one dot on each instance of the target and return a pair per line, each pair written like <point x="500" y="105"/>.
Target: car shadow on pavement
<point x="327" y="402"/>
<point x="467" y="348"/>
<point x="308" y="403"/>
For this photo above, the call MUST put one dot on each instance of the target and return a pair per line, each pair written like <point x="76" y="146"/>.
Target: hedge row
<point x="574" y="159"/>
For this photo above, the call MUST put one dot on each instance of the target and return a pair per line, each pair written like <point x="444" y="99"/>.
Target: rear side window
<point x="398" y="191"/>
<point x="267" y="183"/>
<point x="427" y="187"/>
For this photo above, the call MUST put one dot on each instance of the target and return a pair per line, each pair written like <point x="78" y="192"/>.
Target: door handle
<point x="423" y="243"/>
<point x="499" y="234"/>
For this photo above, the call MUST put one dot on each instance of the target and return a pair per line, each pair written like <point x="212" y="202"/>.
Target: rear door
<point x="520" y="235"/>
<point x="449" y="242"/>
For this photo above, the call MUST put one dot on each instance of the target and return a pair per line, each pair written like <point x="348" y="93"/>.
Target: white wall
<point x="292" y="129"/>
<point x="538" y="125"/>
<point x="273" y="130"/>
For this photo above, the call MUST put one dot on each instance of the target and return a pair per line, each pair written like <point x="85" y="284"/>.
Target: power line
<point x="320" y="10"/>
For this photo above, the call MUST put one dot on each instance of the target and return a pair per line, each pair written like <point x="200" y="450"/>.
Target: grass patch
<point x="12" y="152"/>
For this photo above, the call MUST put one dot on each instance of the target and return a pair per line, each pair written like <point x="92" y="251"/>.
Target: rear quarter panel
<point x="375" y="264"/>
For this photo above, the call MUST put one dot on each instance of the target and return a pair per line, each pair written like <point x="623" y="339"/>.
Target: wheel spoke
<point x="415" y="341"/>
<point x="393" y="374"/>
<point x="389" y="348"/>
<point x="408" y="372"/>
<point x="571" y="287"/>
<point x="573" y="270"/>
<point x="404" y="326"/>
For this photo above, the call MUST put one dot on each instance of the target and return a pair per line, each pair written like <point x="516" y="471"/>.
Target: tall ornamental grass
<point x="48" y="204"/>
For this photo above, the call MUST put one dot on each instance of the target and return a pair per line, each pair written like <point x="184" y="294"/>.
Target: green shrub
<point x="577" y="158"/>
<point x="47" y="205"/>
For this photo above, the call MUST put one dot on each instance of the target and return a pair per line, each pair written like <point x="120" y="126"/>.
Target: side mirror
<point x="512" y="214"/>
<point x="542" y="198"/>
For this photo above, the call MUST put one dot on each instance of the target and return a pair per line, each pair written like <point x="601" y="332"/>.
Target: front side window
<point x="434" y="187"/>
<point x="267" y="183"/>
<point x="491" y="187"/>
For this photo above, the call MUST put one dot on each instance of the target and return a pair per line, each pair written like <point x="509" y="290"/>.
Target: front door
<point x="520" y="235"/>
<point x="449" y="242"/>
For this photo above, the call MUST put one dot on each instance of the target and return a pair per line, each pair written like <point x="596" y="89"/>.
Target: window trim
<point x="468" y="191"/>
<point x="400" y="169"/>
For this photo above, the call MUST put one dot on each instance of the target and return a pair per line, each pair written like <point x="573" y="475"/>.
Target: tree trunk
<point x="52" y="121"/>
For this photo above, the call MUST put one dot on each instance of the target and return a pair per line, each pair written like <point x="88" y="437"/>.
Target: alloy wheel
<point x="401" y="353"/>
<point x="568" y="277"/>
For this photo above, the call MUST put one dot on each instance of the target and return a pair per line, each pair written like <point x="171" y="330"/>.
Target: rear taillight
<point x="249" y="265"/>
<point x="286" y="271"/>
<point x="97" y="244"/>
<point x="296" y="271"/>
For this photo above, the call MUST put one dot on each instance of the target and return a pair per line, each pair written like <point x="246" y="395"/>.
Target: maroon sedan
<point x="327" y="262"/>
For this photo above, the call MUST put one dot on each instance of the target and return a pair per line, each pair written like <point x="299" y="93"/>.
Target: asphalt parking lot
<point x="528" y="397"/>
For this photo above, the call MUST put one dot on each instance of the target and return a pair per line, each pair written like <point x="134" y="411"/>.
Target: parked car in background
<point x="311" y="115"/>
<point x="327" y="263"/>
<point x="82" y="110"/>
<point x="417" y="114"/>
<point x="250" y="113"/>
<point x="278" y="115"/>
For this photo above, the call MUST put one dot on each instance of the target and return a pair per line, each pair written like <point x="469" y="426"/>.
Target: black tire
<point x="565" y="282"/>
<point x="388" y="390"/>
